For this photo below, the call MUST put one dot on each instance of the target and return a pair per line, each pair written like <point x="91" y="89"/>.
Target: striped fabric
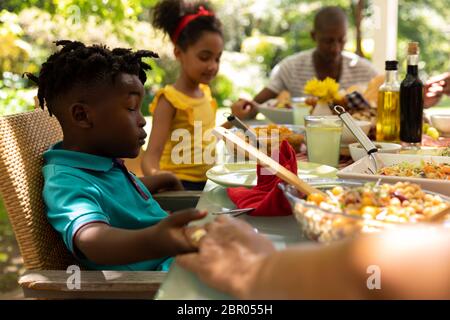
<point x="293" y="72"/>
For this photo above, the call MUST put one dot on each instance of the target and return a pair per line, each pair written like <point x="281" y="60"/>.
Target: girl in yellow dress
<point x="184" y="112"/>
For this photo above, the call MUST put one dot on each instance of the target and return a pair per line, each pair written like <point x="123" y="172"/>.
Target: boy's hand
<point x="230" y="255"/>
<point x="172" y="231"/>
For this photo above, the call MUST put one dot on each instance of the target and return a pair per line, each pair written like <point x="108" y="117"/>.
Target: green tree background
<point x="258" y="35"/>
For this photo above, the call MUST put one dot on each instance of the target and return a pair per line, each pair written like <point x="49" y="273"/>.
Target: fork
<point x="234" y="212"/>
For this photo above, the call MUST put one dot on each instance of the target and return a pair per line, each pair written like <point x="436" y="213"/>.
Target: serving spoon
<point x="266" y="161"/>
<point x="438" y="216"/>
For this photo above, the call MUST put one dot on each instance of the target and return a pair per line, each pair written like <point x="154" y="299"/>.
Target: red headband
<point x="187" y="19"/>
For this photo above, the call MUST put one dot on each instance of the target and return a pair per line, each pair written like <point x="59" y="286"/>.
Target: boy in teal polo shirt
<point x="105" y="215"/>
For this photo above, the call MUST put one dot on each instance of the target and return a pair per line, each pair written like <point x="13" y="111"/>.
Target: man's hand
<point x="244" y="109"/>
<point x="433" y="94"/>
<point x="226" y="230"/>
<point x="435" y="88"/>
<point x="442" y="80"/>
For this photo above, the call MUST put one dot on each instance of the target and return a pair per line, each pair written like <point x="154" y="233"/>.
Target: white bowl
<point x="348" y="137"/>
<point x="357" y="151"/>
<point x="358" y="170"/>
<point x="276" y="115"/>
<point x="441" y="122"/>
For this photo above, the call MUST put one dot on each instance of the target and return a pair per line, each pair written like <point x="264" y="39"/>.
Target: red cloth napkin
<point x="266" y="197"/>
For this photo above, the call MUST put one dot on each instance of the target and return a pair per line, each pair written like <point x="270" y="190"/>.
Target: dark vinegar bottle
<point x="411" y="100"/>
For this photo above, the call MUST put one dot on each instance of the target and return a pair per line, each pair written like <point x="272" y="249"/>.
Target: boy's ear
<point x="313" y="35"/>
<point x="81" y="115"/>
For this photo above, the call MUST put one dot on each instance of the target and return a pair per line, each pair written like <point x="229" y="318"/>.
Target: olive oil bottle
<point x="388" y="111"/>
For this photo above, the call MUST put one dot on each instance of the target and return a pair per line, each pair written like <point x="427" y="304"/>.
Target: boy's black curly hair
<point x="79" y="65"/>
<point x="167" y="14"/>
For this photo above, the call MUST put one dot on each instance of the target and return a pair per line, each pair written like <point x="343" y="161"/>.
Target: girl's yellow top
<point x="190" y="150"/>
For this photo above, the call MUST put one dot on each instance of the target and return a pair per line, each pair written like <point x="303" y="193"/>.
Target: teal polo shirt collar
<point x="57" y="155"/>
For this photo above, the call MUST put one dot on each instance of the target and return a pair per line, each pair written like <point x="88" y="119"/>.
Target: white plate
<point x="243" y="174"/>
<point x="357" y="169"/>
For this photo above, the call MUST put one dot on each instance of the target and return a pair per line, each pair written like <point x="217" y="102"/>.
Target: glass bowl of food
<point x="354" y="206"/>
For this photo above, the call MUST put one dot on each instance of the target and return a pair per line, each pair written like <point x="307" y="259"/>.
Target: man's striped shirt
<point x="293" y="72"/>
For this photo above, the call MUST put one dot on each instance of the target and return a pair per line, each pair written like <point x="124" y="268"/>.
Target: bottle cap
<point x="413" y="48"/>
<point x="391" y="65"/>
